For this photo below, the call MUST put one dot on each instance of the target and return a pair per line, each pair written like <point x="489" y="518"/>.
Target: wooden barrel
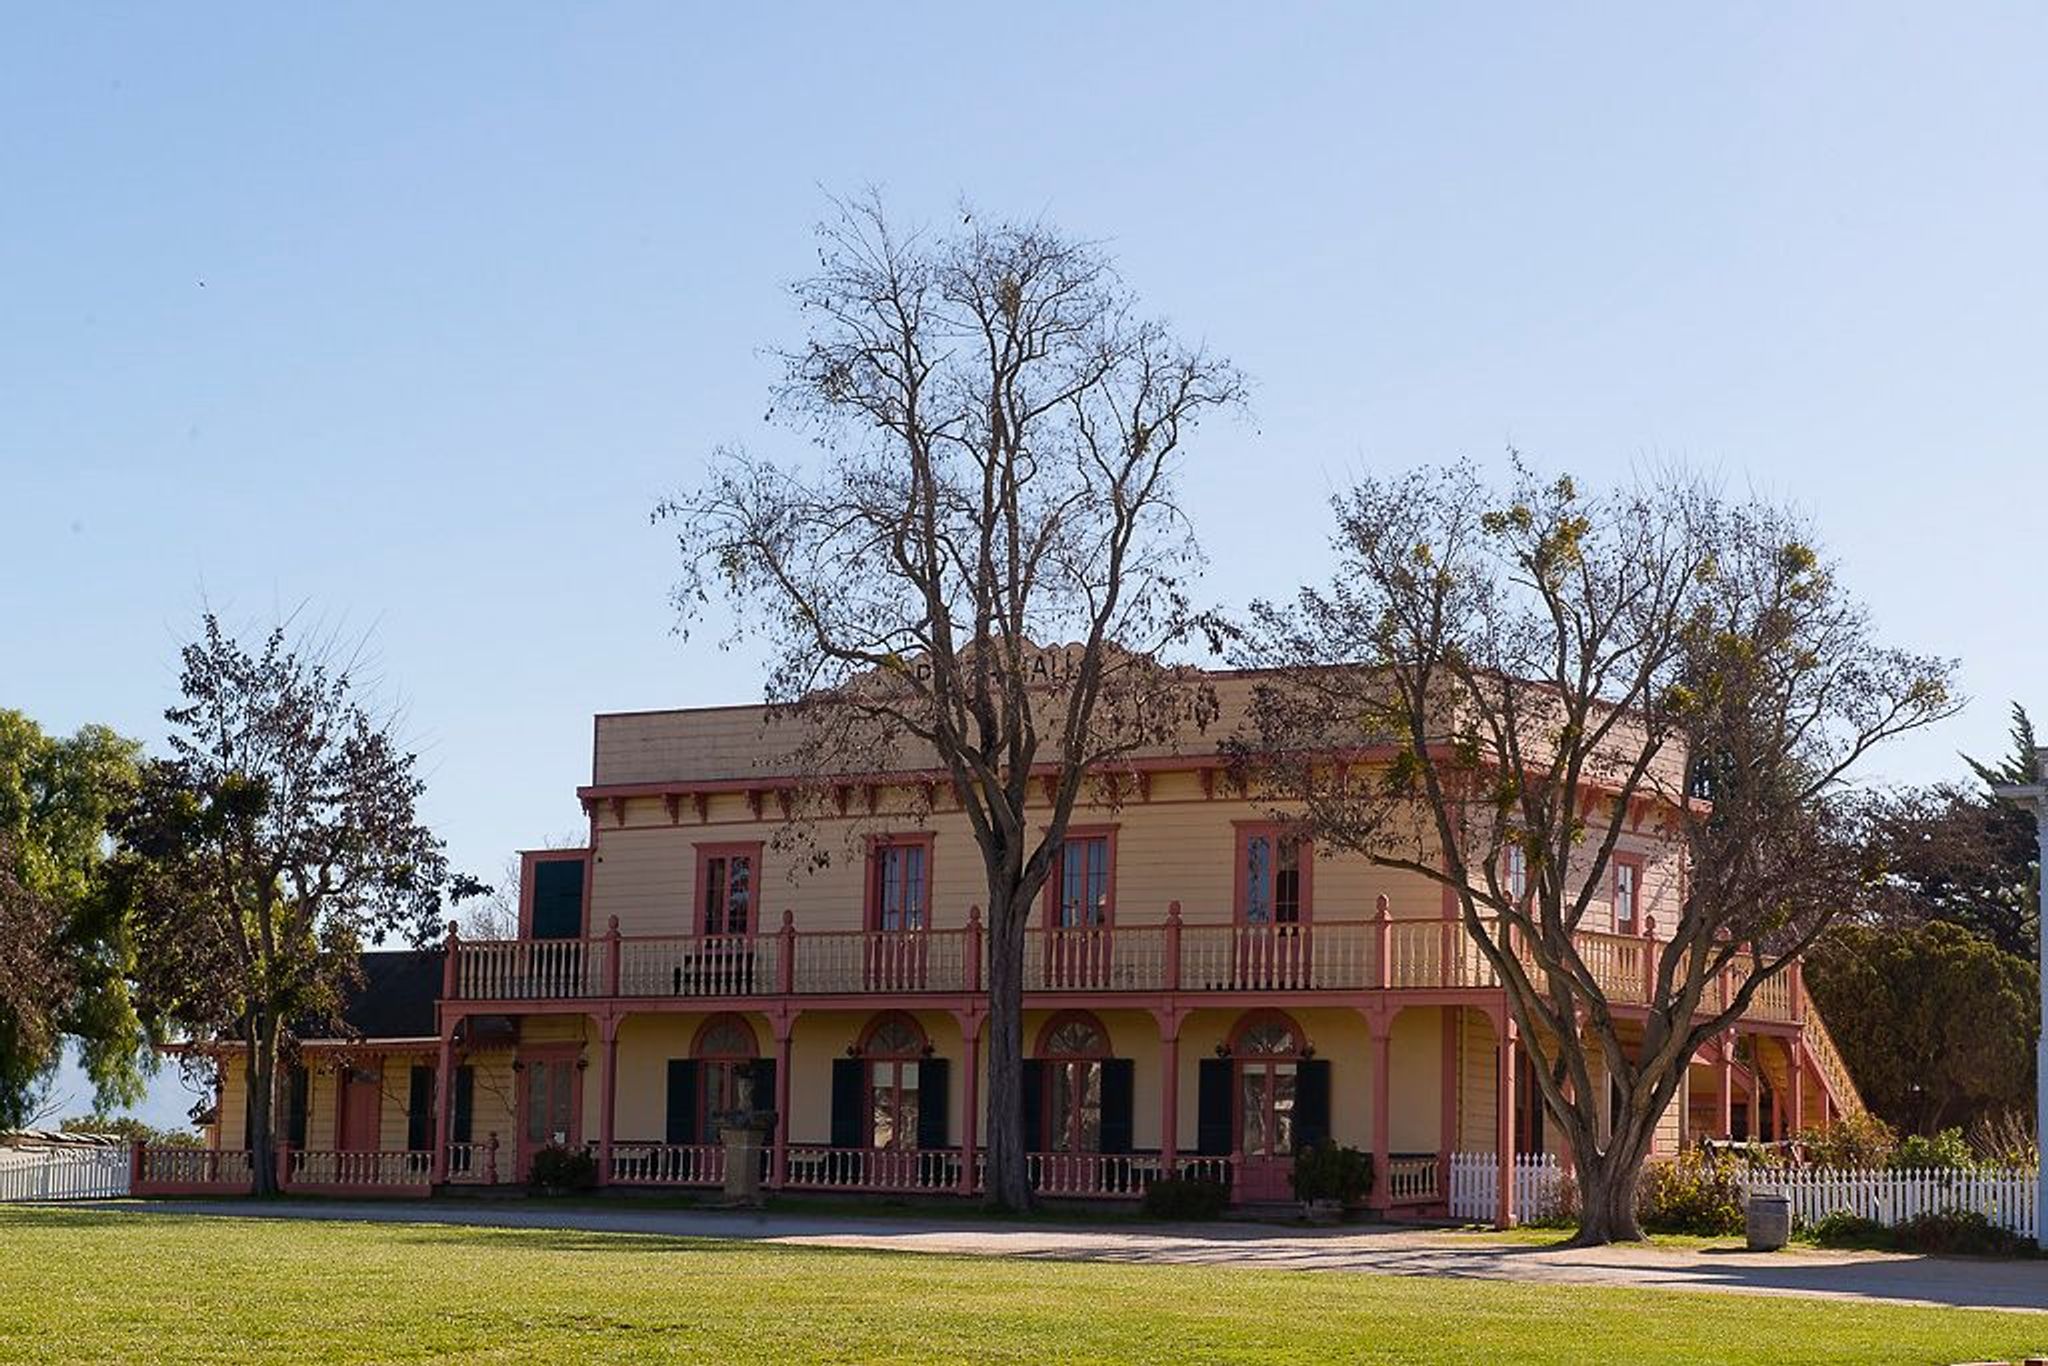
<point x="1770" y="1222"/>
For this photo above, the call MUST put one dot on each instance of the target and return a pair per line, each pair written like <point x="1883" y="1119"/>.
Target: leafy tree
<point x="1549" y="672"/>
<point x="132" y="1129"/>
<point x="63" y="956"/>
<point x="999" y="430"/>
<point x="257" y="861"/>
<point x="1936" y="1023"/>
<point x="1961" y="854"/>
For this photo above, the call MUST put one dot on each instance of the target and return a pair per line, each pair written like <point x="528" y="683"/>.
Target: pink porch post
<point x="778" y="1160"/>
<point x="607" y="1084"/>
<point x="1447" y="1113"/>
<point x="444" y="1103"/>
<point x="970" y="1101"/>
<point x="1504" y="1121"/>
<point x="1728" y="1084"/>
<point x="1169" y="1092"/>
<point x="1380" y="1025"/>
<point x="1798" y="1053"/>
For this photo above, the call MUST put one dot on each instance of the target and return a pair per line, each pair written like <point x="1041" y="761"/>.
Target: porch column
<point x="444" y="1103"/>
<point x="1728" y="1085"/>
<point x="1447" y="1112"/>
<point x="1798" y="1087"/>
<point x="1380" y="1027"/>
<point x="607" y="1095"/>
<point x="778" y="1157"/>
<point x="1169" y="1092"/>
<point x="970" y="1100"/>
<point x="1504" y="1121"/>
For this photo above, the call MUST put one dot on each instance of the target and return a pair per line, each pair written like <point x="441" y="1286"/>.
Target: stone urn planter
<point x="744" y="1134"/>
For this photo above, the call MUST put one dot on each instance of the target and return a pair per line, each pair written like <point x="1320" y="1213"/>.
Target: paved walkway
<point x="1962" y="1282"/>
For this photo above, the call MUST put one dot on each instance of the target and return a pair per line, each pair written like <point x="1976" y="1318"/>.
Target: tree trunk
<point x="1009" y="1186"/>
<point x="1607" y="1199"/>
<point x="261" y="1088"/>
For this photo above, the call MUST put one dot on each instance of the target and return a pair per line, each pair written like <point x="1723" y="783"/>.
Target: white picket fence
<point x="1475" y="1186"/>
<point x="63" y="1173"/>
<point x="2005" y="1196"/>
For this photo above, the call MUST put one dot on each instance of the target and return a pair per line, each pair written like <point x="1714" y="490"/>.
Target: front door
<point x="548" y="1108"/>
<point x="1265" y="1111"/>
<point x="361" y="1094"/>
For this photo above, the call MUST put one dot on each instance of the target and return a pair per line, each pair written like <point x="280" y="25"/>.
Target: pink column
<point x="1447" y="1100"/>
<point x="1505" y="1122"/>
<point x="444" y="1103"/>
<point x="1728" y="1084"/>
<point x="608" y="1092"/>
<point x="778" y="1160"/>
<point x="1798" y="1055"/>
<point x="1380" y="1026"/>
<point x="970" y="1101"/>
<point x="1169" y="1092"/>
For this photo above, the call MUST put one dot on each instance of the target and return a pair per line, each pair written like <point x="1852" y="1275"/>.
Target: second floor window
<point x="900" y="894"/>
<point x="1081" y="891"/>
<point x="725" y="890"/>
<point x="1514" y="872"/>
<point x="1272" y="882"/>
<point x="1626" y="874"/>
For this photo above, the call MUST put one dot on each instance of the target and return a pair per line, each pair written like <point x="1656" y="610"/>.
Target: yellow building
<point x="1202" y="995"/>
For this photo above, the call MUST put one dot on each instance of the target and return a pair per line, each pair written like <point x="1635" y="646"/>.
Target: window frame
<point x="1247" y="831"/>
<point x="1065" y="1069"/>
<point x="871" y="896"/>
<point x="1055" y="879"/>
<point x="748" y="849"/>
<point x="901" y="1141"/>
<point x="1633" y="865"/>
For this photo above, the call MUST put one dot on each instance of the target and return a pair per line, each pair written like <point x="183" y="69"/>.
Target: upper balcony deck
<point x="1128" y="963"/>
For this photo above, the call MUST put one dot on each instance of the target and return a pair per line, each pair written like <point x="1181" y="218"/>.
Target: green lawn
<point x="85" y="1286"/>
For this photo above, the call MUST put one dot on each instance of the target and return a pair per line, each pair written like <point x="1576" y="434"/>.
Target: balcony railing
<point x="1340" y="955"/>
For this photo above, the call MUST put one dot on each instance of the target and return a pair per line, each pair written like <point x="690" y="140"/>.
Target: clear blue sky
<point x="407" y="313"/>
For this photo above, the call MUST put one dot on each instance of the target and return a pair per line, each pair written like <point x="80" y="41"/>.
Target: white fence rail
<point x="63" y="1173"/>
<point x="1475" y="1186"/>
<point x="2005" y="1196"/>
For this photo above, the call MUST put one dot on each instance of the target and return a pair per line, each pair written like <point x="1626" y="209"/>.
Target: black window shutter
<point x="1033" y="1092"/>
<point x="933" y="1104"/>
<point x="295" y="1108"/>
<point x="1119" y="1082"/>
<point x="465" y="1104"/>
<point x="764" y="1087"/>
<point x="1212" y="1108"/>
<point x="682" y="1101"/>
<point x="1311" y="1102"/>
<point x="558" y="899"/>
<point x="847" y="1102"/>
<point x="419" y="1111"/>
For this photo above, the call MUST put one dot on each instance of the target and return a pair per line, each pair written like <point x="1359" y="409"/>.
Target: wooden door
<point x="550" y="1103"/>
<point x="361" y="1097"/>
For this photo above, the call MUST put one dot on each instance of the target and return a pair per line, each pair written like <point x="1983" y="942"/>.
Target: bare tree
<point x="999" y="430"/>
<point x="1501" y="687"/>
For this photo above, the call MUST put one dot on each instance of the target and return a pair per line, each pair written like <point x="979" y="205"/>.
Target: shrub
<point x="1950" y="1232"/>
<point x="1324" y="1171"/>
<point x="557" y="1168"/>
<point x="1691" y="1193"/>
<point x="2005" y="1139"/>
<point x="1861" y="1140"/>
<point x="1946" y="1151"/>
<point x="1185" y="1197"/>
<point x="1843" y="1229"/>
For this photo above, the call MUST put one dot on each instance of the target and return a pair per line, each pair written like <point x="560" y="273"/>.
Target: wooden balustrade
<point x="191" y="1171"/>
<point x="1328" y="955"/>
<point x="668" y="1164"/>
<point x="336" y="1172"/>
<point x="812" y="1167"/>
<point x="1411" y="1179"/>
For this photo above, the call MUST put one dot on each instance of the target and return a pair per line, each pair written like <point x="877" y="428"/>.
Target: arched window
<point x="1266" y="1048"/>
<point x="725" y="1051"/>
<point x="1071" y="1048"/>
<point x="893" y="1047"/>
